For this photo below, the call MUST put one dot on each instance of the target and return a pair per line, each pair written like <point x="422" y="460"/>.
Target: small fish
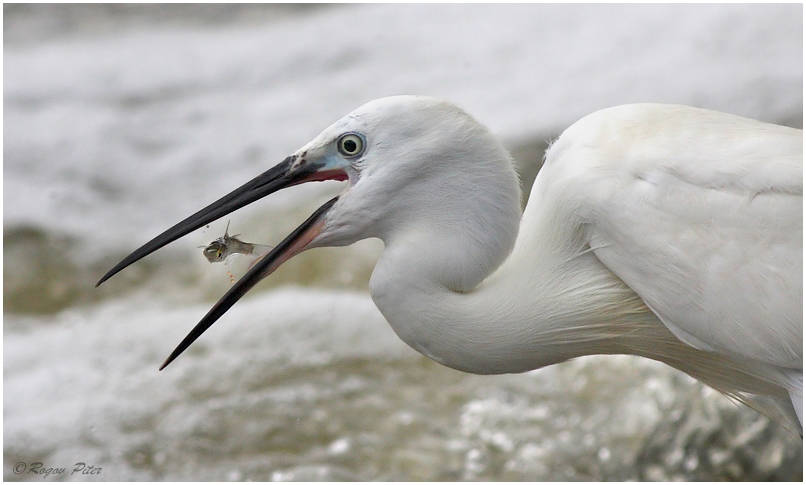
<point x="226" y="247"/>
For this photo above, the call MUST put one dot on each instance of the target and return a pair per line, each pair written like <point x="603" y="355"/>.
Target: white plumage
<point x="668" y="232"/>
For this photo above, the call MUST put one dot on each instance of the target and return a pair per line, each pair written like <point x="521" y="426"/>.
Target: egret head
<point x="410" y="162"/>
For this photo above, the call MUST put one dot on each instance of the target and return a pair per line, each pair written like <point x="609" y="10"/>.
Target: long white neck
<point x="517" y="319"/>
<point x="434" y="283"/>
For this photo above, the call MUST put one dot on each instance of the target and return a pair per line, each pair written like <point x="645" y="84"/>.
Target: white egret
<point x="668" y="232"/>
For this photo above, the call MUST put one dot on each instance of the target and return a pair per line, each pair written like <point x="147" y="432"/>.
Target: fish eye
<point x="350" y="145"/>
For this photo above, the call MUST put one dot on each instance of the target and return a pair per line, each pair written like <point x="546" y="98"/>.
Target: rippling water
<point x="120" y="121"/>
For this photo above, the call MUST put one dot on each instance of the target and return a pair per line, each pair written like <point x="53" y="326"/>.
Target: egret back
<point x="700" y="213"/>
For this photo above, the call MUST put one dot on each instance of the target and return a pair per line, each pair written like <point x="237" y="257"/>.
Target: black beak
<point x="291" y="171"/>
<point x="294" y="244"/>
<point x="285" y="174"/>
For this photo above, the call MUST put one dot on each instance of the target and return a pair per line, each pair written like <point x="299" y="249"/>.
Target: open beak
<point x="291" y="171"/>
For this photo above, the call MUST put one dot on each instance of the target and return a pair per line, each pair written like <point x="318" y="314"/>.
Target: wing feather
<point x="701" y="214"/>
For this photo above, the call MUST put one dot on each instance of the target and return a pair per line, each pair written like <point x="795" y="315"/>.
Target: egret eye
<point x="350" y="145"/>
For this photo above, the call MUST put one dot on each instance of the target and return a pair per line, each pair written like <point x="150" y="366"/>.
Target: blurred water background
<point x="121" y="120"/>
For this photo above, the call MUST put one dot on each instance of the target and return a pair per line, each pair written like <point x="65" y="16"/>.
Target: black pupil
<point x="350" y="146"/>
